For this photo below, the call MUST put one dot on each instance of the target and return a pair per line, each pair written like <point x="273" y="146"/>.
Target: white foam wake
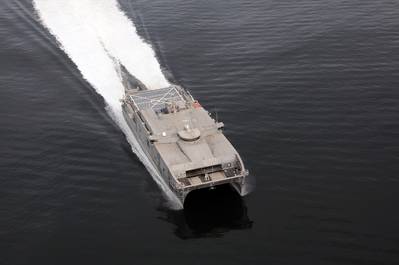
<point x="91" y="32"/>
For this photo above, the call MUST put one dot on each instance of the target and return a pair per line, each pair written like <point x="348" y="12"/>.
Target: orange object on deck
<point x="197" y="105"/>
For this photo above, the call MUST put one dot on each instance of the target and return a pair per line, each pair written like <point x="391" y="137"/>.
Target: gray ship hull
<point x="184" y="144"/>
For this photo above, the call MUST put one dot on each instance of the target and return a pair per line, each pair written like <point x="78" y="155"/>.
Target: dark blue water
<point x="308" y="91"/>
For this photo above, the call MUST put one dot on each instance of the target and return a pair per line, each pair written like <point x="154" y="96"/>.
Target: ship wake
<point x="94" y="33"/>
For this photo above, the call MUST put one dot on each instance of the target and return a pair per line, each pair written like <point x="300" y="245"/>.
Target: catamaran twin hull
<point x="185" y="144"/>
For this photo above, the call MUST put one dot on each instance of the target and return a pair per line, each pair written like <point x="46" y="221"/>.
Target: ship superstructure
<point x="184" y="143"/>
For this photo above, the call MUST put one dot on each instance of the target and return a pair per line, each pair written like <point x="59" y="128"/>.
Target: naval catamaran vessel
<point x="180" y="138"/>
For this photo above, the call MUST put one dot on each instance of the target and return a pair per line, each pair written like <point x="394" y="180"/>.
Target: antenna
<point x="216" y="114"/>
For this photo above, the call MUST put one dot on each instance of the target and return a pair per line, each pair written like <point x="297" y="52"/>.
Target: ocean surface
<point x="309" y="94"/>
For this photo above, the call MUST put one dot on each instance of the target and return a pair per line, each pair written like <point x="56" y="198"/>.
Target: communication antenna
<point x="216" y="113"/>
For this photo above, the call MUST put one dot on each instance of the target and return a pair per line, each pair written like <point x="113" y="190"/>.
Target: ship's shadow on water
<point x="209" y="213"/>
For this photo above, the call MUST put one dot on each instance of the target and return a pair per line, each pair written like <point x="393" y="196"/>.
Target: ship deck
<point x="155" y="99"/>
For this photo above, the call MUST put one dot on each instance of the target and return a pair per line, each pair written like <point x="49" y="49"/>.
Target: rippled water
<point x="308" y="91"/>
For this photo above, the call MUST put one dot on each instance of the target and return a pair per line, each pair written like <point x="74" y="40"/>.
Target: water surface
<point x="308" y="91"/>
